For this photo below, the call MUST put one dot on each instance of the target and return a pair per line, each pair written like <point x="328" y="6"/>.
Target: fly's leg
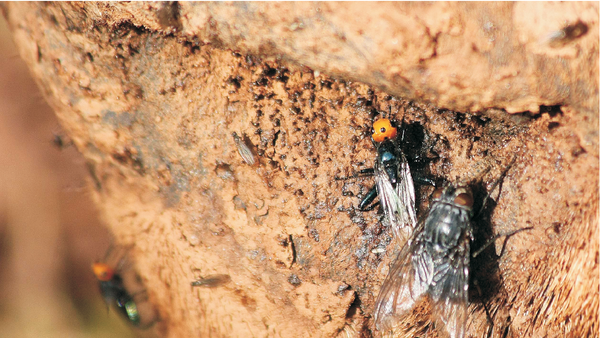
<point x="501" y="178"/>
<point x="362" y="173"/>
<point x="493" y="239"/>
<point x="421" y="180"/>
<point x="366" y="172"/>
<point x="487" y="311"/>
<point x="366" y="204"/>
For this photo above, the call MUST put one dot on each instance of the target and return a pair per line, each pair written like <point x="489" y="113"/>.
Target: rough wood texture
<point x="150" y="93"/>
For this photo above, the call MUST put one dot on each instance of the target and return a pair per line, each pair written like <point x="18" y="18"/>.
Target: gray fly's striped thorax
<point x="445" y="225"/>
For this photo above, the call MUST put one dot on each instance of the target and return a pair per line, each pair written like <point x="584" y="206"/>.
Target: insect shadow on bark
<point x="485" y="280"/>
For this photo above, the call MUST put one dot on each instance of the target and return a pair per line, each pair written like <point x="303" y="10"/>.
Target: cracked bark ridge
<point x="461" y="56"/>
<point x="150" y="95"/>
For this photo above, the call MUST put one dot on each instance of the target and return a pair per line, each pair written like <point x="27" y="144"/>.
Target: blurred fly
<point x="115" y="293"/>
<point x="435" y="261"/>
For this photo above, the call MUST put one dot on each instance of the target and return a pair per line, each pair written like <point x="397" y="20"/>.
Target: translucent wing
<point x="398" y="204"/>
<point x="406" y="192"/>
<point x="408" y="279"/>
<point x="451" y="294"/>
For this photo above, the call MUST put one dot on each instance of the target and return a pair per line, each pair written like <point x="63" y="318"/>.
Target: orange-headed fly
<point x="115" y="293"/>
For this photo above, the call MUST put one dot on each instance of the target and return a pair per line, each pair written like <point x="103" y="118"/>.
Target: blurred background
<point x="49" y="229"/>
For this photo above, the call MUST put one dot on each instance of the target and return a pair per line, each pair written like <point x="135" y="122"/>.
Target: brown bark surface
<point x="150" y="93"/>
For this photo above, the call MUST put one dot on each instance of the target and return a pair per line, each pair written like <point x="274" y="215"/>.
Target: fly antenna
<point x="108" y="252"/>
<point x="498" y="180"/>
<point x="402" y="126"/>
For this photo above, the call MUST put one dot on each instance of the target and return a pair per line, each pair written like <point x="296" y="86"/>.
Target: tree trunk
<point x="151" y="93"/>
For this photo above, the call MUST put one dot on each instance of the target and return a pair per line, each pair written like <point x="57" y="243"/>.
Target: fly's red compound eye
<point x="383" y="130"/>
<point x="464" y="199"/>
<point x="103" y="272"/>
<point x="437" y="193"/>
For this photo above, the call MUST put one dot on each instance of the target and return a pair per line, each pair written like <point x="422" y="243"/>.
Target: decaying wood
<point x="151" y="93"/>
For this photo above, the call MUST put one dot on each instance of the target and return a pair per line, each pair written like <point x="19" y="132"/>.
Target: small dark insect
<point x="244" y="149"/>
<point x="567" y="34"/>
<point x="212" y="281"/>
<point x="435" y="261"/>
<point x="61" y="142"/>
<point x="114" y="292"/>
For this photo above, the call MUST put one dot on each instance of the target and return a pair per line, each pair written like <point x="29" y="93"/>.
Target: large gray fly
<point x="435" y="262"/>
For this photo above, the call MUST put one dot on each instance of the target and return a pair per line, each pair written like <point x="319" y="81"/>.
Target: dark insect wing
<point x="404" y="284"/>
<point x="451" y="292"/>
<point x="112" y="290"/>
<point x="398" y="204"/>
